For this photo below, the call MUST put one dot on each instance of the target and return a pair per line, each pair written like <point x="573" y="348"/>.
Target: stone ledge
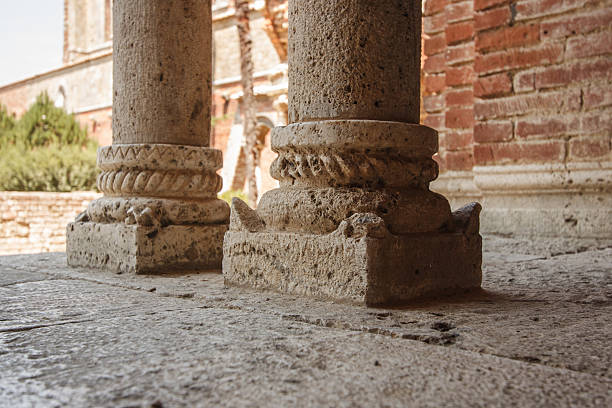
<point x="144" y="249"/>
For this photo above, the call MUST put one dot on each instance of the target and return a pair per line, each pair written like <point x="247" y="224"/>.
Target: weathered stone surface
<point x="159" y="170"/>
<point x="538" y="335"/>
<point x="162" y="70"/>
<point x="552" y="200"/>
<point x="329" y="170"/>
<point x="321" y="210"/>
<point x="159" y="210"/>
<point x="162" y="211"/>
<point x="354" y="218"/>
<point x="355" y="59"/>
<point x="144" y="248"/>
<point x="360" y="262"/>
<point x="159" y="178"/>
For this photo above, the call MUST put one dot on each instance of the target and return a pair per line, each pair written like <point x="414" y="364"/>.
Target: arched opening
<point x="60" y="98"/>
<point x="265" y="156"/>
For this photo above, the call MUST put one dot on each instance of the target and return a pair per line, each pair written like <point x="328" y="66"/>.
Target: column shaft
<point x="162" y="71"/>
<point x="354" y="59"/>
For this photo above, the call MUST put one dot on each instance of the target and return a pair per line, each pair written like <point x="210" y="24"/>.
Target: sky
<point x="31" y="37"/>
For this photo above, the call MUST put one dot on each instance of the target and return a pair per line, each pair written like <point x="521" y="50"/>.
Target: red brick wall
<point x="99" y="125"/>
<point x="449" y="74"/>
<point x="525" y="81"/>
<point x="544" y="81"/>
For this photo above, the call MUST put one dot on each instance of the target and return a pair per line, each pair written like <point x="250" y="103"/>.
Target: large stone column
<point x="354" y="218"/>
<point x="160" y="209"/>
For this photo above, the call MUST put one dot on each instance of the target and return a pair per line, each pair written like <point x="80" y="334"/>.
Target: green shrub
<point x="228" y="195"/>
<point x="7" y="123"/>
<point x="45" y="150"/>
<point x="48" y="168"/>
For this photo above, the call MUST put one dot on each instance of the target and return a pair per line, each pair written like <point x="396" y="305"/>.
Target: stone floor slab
<point x="538" y="335"/>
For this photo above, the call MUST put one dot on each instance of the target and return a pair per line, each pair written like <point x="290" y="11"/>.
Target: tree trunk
<point x="248" y="101"/>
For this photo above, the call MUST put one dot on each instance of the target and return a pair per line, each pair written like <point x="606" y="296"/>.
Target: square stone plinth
<point x="391" y="270"/>
<point x="144" y="249"/>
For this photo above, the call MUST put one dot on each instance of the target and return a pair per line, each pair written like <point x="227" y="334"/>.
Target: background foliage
<point x="45" y="150"/>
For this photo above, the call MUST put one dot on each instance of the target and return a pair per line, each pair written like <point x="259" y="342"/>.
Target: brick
<point x="561" y="101"/>
<point x="461" y="160"/>
<point x="434" y="103"/>
<point x="589" y="148"/>
<point x="464" y="97"/>
<point x="572" y="73"/>
<point x="460" y="118"/>
<point x="596" y="97"/>
<point x="485" y="4"/>
<point x="492" y="18"/>
<point x="435" y="44"/>
<point x="457" y="140"/>
<point x="589" y="45"/>
<point x="543" y="127"/>
<point x="569" y="25"/>
<point x="596" y="122"/>
<point x="518" y="58"/>
<point x="463" y="75"/>
<point x="493" y="85"/>
<point x="460" y="11"/>
<point x="524" y="152"/>
<point x="486" y="132"/>
<point x="433" y="6"/>
<point x="434" y="121"/>
<point x="458" y="32"/>
<point x="508" y="37"/>
<point x="435" y="63"/>
<point x="529" y="9"/>
<point x="435" y="83"/>
<point x="434" y="24"/>
<point x="460" y="53"/>
<point x="524" y="81"/>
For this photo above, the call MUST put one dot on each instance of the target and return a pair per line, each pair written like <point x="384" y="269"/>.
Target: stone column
<point x="354" y="218"/>
<point x="160" y="209"/>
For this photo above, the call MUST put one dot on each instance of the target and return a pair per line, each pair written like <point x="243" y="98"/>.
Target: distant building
<point x="520" y="94"/>
<point x="83" y="84"/>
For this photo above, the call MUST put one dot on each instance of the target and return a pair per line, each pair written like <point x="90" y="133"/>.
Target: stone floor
<point x="539" y="334"/>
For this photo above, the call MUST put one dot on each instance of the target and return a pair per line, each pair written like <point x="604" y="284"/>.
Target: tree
<point x="249" y="110"/>
<point x="7" y="123"/>
<point x="44" y="124"/>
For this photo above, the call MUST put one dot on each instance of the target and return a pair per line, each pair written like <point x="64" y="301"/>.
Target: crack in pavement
<point x="14" y="329"/>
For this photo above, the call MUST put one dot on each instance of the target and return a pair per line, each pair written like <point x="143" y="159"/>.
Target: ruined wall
<point x="36" y="222"/>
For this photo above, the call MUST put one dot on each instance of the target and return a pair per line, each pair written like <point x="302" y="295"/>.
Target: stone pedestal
<point x="160" y="210"/>
<point x="354" y="218"/>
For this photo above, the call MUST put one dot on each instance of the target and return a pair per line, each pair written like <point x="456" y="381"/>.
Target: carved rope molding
<point x="353" y="168"/>
<point x="171" y="183"/>
<point x="159" y="170"/>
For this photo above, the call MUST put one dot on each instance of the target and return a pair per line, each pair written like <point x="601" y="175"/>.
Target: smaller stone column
<point x="160" y="210"/>
<point x="354" y="219"/>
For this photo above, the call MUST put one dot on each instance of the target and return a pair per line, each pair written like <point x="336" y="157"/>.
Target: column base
<point x="360" y="262"/>
<point x="140" y="249"/>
